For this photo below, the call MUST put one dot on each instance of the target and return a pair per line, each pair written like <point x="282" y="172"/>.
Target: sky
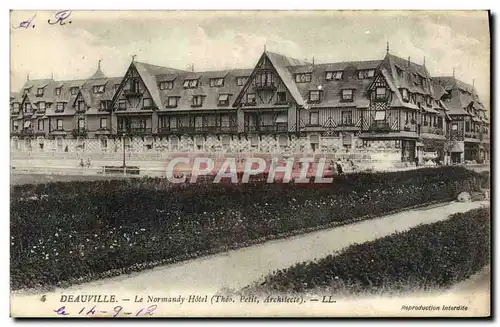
<point x="234" y="39"/>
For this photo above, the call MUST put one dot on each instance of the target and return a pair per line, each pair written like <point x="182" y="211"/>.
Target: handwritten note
<point x="117" y="311"/>
<point x="59" y="19"/>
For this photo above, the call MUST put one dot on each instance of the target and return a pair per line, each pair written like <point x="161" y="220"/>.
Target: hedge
<point x="424" y="257"/>
<point x="80" y="231"/>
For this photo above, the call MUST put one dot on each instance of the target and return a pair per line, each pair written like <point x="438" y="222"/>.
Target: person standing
<point x="339" y="167"/>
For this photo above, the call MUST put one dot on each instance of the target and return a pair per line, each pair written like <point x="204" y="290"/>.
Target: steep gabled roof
<point x="210" y="94"/>
<point x="409" y="72"/>
<point x="148" y="73"/>
<point x="332" y="89"/>
<point x="280" y="63"/>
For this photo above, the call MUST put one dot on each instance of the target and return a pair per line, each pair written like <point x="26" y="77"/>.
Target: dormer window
<point x="74" y="90"/>
<point x="240" y="81"/>
<point x="197" y="101"/>
<point x="40" y="91"/>
<point x="223" y="99"/>
<point x="122" y="104"/>
<point x="217" y="82"/>
<point x="303" y="78"/>
<point x="27" y="107"/>
<point x="366" y="73"/>
<point x="314" y="96"/>
<point x="166" y="85"/>
<point x="337" y="75"/>
<point x="405" y="95"/>
<point x="251" y="98"/>
<point x="117" y="86"/>
<point x="99" y="88"/>
<point x="190" y="83"/>
<point x="57" y="91"/>
<point x="172" y="102"/>
<point x="15" y="107"/>
<point x="347" y="95"/>
<point x="103" y="105"/>
<point x="399" y="71"/>
<point x="41" y="106"/>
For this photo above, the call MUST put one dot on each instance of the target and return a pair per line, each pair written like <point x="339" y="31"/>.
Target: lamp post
<point x="124" y="151"/>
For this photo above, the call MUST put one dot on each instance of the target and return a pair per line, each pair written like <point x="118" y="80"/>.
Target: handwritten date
<point x="117" y="311"/>
<point x="60" y="18"/>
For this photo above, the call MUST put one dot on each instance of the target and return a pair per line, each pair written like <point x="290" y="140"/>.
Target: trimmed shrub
<point x="427" y="256"/>
<point x="86" y="230"/>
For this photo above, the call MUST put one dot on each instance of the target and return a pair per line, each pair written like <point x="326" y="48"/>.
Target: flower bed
<point x="427" y="256"/>
<point x="79" y="231"/>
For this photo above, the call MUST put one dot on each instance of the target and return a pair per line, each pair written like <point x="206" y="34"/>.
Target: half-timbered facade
<point x="281" y="105"/>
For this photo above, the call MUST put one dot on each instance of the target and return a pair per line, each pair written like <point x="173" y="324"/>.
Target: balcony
<point x="281" y="128"/>
<point x="380" y="126"/>
<point x="471" y="135"/>
<point x="79" y="132"/>
<point x="135" y="131"/>
<point x="431" y="130"/>
<point x="456" y="135"/>
<point x="131" y="93"/>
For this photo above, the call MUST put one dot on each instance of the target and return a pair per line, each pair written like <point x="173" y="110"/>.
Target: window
<point x="366" y="73"/>
<point x="27" y="107"/>
<point x="240" y="81"/>
<point x="314" y="118"/>
<point x="117" y="86"/>
<point x="166" y="85"/>
<point x="224" y="121"/>
<point x="15" y="125"/>
<point x="380" y="93"/>
<point x="173" y="122"/>
<point x="81" y="123"/>
<point x="122" y="104"/>
<point x="404" y="94"/>
<point x="467" y="126"/>
<point x="74" y="90"/>
<point x="59" y="125"/>
<point x="103" y="123"/>
<point x="334" y="75"/>
<point x="454" y="126"/>
<point x="191" y="83"/>
<point x="99" y="88"/>
<point x="103" y="105"/>
<point x="15" y="106"/>
<point x="41" y="106"/>
<point x="254" y="141"/>
<point x="217" y="82"/>
<point x="223" y="99"/>
<point x="57" y="91"/>
<point x="197" y="101"/>
<point x="251" y="98"/>
<point x="81" y="106"/>
<point x="147" y="103"/>
<point x="347" y="118"/>
<point x="60" y="106"/>
<point x="314" y="96"/>
<point x="303" y="78"/>
<point x="379" y="115"/>
<point x="440" y="122"/>
<point x="40" y="91"/>
<point x="347" y="95"/>
<point x="172" y="102"/>
<point x="428" y="101"/>
<point x="40" y="125"/>
<point x="281" y="97"/>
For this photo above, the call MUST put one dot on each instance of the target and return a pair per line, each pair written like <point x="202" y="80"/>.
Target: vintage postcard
<point x="250" y="164"/>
